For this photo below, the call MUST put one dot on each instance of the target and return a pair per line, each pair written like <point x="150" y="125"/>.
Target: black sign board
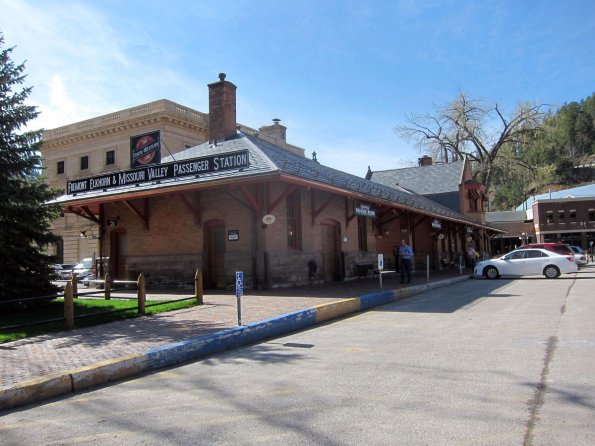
<point x="177" y="169"/>
<point x="145" y="150"/>
<point x="365" y="211"/>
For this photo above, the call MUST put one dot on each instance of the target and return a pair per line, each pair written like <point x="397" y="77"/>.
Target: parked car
<point x="65" y="272"/>
<point x="56" y="268"/>
<point x="560" y="248"/>
<point x="579" y="255"/>
<point x="526" y="262"/>
<point x="83" y="269"/>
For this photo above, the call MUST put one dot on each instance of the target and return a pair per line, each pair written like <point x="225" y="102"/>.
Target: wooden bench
<point x="364" y="270"/>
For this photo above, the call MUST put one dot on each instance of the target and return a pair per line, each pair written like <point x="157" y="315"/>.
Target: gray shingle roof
<point x="305" y="168"/>
<point x="434" y="179"/>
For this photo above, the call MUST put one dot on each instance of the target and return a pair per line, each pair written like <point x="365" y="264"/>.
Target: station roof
<point x="266" y="160"/>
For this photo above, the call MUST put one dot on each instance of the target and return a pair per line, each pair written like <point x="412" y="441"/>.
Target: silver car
<point x="527" y="262"/>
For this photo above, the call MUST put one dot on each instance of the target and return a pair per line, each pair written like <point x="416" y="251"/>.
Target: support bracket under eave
<point x="144" y="216"/>
<point x="251" y="199"/>
<point x="84" y="212"/>
<point x="317" y="212"/>
<point x="194" y="211"/>
<point x="348" y="217"/>
<point x="288" y="190"/>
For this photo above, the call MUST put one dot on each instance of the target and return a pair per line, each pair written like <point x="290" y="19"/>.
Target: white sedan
<point x="527" y="262"/>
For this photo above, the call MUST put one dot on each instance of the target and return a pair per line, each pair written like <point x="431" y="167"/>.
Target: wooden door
<point x="331" y="252"/>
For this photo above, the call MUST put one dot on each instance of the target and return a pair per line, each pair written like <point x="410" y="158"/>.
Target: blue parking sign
<point x="239" y="283"/>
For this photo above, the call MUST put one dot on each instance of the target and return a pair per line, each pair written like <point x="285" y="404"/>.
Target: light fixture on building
<point x="88" y="233"/>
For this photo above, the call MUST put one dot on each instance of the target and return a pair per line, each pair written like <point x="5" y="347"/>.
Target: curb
<point x="122" y="367"/>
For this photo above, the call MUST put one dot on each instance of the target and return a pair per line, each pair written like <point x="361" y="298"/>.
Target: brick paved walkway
<point x="42" y="355"/>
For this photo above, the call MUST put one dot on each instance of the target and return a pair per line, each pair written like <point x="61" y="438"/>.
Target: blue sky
<point x="339" y="74"/>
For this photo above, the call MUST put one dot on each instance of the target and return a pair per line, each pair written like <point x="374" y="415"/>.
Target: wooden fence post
<point x="68" y="307"/>
<point x="75" y="289"/>
<point x="198" y="287"/>
<point x="142" y="296"/>
<point x="108" y="286"/>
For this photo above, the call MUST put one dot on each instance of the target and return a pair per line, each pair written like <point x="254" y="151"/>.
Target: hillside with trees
<point x="523" y="153"/>
<point x="560" y="156"/>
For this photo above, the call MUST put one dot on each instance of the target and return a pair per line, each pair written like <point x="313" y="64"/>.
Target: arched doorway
<point x="331" y="251"/>
<point x="214" y="253"/>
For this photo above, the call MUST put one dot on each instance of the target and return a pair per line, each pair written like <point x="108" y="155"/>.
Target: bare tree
<point x="473" y="128"/>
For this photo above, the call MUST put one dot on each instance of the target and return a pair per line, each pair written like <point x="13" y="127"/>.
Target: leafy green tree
<point x="25" y="268"/>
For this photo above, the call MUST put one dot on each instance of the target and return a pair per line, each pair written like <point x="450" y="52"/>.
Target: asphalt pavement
<point x="54" y="364"/>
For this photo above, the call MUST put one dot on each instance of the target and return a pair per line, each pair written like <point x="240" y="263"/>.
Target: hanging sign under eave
<point x="166" y="171"/>
<point x="364" y="210"/>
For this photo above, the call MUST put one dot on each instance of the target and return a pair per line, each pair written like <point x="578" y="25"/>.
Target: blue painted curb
<point x="198" y="347"/>
<point x="371" y="300"/>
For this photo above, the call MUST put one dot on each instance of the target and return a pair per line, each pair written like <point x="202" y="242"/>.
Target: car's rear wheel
<point x="551" y="272"/>
<point x="491" y="272"/>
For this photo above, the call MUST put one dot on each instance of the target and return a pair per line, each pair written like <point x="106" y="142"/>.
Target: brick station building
<point x="245" y="200"/>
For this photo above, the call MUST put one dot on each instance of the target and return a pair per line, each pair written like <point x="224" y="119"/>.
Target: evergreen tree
<point x="25" y="269"/>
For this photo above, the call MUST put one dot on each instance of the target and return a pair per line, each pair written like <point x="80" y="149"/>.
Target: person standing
<point x="405" y="255"/>
<point x="472" y="256"/>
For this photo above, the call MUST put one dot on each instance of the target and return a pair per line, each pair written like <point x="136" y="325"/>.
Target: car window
<point x="534" y="253"/>
<point x="87" y="263"/>
<point x="515" y="255"/>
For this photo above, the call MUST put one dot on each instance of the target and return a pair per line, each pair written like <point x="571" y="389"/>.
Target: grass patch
<point x="49" y="317"/>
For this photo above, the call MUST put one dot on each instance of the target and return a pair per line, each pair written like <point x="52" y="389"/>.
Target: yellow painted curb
<point x="35" y="390"/>
<point x="324" y="312"/>
<point x="108" y="370"/>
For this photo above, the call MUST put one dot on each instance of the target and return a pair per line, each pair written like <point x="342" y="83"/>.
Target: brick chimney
<point x="425" y="160"/>
<point x="222" y="110"/>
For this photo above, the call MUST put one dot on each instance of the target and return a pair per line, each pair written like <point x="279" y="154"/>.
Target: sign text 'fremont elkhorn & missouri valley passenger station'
<point x="159" y="172"/>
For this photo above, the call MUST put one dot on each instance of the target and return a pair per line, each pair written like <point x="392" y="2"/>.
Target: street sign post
<point x="380" y="268"/>
<point x="239" y="292"/>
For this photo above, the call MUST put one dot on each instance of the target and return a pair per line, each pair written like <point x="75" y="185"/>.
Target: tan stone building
<point x="234" y="198"/>
<point x="101" y="145"/>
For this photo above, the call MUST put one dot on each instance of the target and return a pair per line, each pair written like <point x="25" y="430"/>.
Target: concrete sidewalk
<point x="55" y="364"/>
